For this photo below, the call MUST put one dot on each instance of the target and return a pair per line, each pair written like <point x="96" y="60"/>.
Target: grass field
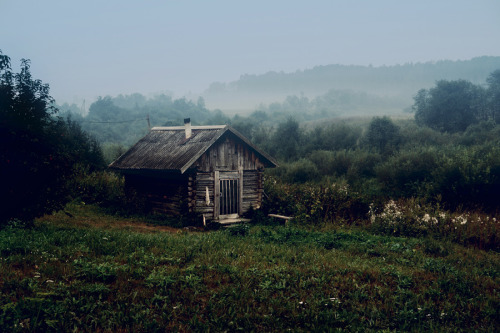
<point x="100" y="273"/>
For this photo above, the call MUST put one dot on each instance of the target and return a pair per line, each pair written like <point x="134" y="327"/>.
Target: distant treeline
<point x="396" y="84"/>
<point x="388" y="80"/>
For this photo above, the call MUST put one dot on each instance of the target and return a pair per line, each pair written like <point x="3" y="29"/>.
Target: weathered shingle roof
<point x="166" y="148"/>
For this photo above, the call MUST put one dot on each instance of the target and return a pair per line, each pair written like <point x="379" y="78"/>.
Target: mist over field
<point x="350" y="90"/>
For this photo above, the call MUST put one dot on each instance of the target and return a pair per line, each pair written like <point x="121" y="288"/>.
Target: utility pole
<point x="149" y="125"/>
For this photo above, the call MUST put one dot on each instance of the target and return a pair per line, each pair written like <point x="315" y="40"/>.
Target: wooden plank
<point x="216" y="194"/>
<point x="280" y="216"/>
<point x="240" y="190"/>
<point x="229" y="175"/>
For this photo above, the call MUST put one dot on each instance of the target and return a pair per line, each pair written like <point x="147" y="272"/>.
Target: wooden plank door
<point x="229" y="197"/>
<point x="228" y="188"/>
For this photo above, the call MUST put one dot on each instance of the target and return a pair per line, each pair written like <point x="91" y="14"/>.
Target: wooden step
<point x="232" y="221"/>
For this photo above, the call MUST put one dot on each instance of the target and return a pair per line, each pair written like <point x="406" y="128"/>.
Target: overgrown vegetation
<point x="395" y="222"/>
<point x="38" y="150"/>
<point x="59" y="277"/>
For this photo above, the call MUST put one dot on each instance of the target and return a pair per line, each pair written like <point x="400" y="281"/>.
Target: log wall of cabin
<point x="252" y="189"/>
<point x="164" y="195"/>
<point x="204" y="182"/>
<point x="228" y="155"/>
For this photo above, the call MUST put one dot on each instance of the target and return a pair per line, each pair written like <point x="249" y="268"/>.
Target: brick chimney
<point x="187" y="127"/>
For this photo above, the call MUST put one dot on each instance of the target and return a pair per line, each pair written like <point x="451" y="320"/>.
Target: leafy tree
<point x="287" y="139"/>
<point x="383" y="135"/>
<point x="333" y="137"/>
<point x="37" y="150"/>
<point x="451" y="106"/>
<point x="493" y="94"/>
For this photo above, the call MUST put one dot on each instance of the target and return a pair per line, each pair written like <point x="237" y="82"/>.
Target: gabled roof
<point x="166" y="148"/>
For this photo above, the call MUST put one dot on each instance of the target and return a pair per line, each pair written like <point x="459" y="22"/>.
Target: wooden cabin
<point x="211" y="170"/>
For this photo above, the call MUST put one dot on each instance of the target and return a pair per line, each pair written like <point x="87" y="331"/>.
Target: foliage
<point x="98" y="187"/>
<point x="329" y="203"/>
<point x="407" y="173"/>
<point x="301" y="171"/>
<point x="382" y="135"/>
<point x="451" y="106"/>
<point x="493" y="96"/>
<point x="123" y="120"/>
<point x="59" y="277"/>
<point x="461" y="168"/>
<point x="287" y="140"/>
<point x="37" y="150"/>
<point x="112" y="151"/>
<point x="415" y="218"/>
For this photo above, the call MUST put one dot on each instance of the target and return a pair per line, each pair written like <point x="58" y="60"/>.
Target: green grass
<point x="95" y="272"/>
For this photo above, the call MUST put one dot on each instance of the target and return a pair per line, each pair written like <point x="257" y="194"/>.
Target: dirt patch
<point x="143" y="227"/>
<point x="89" y="217"/>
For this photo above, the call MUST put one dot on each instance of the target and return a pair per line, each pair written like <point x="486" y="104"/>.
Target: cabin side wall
<point x="163" y="195"/>
<point x="252" y="189"/>
<point x="204" y="185"/>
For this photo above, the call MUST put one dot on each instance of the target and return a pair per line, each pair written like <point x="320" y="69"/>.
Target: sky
<point x="88" y="48"/>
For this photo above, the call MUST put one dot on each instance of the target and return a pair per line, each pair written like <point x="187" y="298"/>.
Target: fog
<point x="349" y="90"/>
<point x="218" y="49"/>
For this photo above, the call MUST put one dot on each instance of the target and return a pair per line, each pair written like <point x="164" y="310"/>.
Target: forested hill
<point x="398" y="83"/>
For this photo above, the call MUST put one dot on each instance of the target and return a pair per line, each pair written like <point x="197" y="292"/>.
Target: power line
<point x="112" y="122"/>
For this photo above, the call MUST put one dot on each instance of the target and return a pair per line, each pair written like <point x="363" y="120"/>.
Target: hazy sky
<point x="88" y="48"/>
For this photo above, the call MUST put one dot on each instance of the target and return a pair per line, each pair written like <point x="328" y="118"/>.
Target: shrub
<point x="302" y="171"/>
<point x="469" y="177"/>
<point x="363" y="165"/>
<point x="331" y="163"/>
<point x="330" y="203"/>
<point x="98" y="187"/>
<point x="407" y="173"/>
<point x="415" y="218"/>
<point x="382" y="135"/>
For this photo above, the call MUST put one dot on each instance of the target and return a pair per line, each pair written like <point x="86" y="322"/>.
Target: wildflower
<point x="49" y="281"/>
